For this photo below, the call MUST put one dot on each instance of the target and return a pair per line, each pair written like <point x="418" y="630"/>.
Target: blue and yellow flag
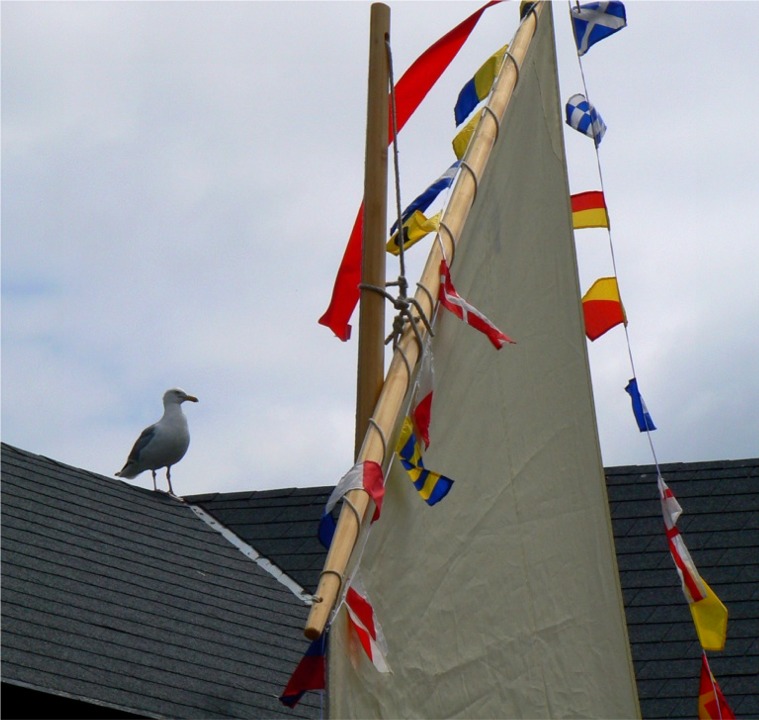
<point x="423" y="201"/>
<point x="432" y="486"/>
<point x="478" y="88"/>
<point x="414" y="229"/>
<point x="464" y="136"/>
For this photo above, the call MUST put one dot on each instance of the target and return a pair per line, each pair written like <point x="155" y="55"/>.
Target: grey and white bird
<point x="164" y="443"/>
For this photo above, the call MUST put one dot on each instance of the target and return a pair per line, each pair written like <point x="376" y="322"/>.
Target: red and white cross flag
<point x="451" y="300"/>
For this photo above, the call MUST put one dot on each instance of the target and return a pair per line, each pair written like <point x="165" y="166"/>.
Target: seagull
<point x="164" y="443"/>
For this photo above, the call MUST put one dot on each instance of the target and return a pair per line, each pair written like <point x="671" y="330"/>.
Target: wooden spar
<point x="398" y="381"/>
<point x="371" y="346"/>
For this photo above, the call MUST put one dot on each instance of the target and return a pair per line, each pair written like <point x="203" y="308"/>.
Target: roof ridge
<point x="252" y="554"/>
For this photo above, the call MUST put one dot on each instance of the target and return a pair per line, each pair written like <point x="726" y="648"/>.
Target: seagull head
<point x="176" y="396"/>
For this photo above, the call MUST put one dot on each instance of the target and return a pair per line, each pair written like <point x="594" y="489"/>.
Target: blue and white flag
<point x="640" y="410"/>
<point x="595" y="21"/>
<point x="428" y="196"/>
<point x="583" y="117"/>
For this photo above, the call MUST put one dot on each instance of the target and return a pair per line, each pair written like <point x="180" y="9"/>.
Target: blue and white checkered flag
<point x="582" y="116"/>
<point x="595" y="21"/>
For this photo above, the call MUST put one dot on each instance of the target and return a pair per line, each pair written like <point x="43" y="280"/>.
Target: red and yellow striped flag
<point x="602" y="307"/>
<point x="589" y="210"/>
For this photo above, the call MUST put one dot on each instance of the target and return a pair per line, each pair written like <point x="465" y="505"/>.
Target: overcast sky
<point x="179" y="180"/>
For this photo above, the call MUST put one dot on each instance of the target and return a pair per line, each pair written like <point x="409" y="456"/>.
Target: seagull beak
<point x="191" y="398"/>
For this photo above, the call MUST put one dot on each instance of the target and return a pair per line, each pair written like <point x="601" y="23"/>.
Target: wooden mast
<point x="398" y="381"/>
<point x="371" y="348"/>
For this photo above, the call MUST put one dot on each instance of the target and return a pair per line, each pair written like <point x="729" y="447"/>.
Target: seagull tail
<point x="128" y="472"/>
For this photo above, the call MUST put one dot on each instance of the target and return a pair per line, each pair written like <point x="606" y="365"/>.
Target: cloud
<point x="179" y="181"/>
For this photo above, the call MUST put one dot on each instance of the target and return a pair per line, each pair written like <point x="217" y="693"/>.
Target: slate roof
<point x="124" y="598"/>
<point x="280" y="524"/>
<point x="720" y="525"/>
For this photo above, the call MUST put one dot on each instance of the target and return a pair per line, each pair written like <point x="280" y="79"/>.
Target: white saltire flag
<point x="365" y="626"/>
<point x="451" y="300"/>
<point x="584" y="118"/>
<point x="595" y="21"/>
<point x="709" y="614"/>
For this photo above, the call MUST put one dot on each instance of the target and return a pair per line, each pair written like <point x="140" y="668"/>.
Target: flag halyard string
<point x="402" y="302"/>
<point x="647" y="425"/>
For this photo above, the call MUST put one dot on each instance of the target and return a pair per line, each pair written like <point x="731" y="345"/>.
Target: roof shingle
<point x="123" y="597"/>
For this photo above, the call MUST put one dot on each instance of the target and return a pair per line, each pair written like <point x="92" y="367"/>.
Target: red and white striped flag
<point x="708" y="612"/>
<point x="693" y="585"/>
<point x="363" y="622"/>
<point x="451" y="300"/>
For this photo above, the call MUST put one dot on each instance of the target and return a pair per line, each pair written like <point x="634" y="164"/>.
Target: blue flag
<point x="639" y="407"/>
<point x="595" y="21"/>
<point x="584" y="118"/>
<point x="428" y="196"/>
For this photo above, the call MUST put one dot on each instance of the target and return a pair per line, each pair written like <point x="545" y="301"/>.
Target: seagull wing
<point x="132" y="467"/>
<point x="142" y="442"/>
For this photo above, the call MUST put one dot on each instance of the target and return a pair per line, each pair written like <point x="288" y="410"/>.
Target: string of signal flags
<point x="602" y="310"/>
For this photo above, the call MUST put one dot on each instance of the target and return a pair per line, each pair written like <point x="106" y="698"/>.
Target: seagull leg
<point x="168" y="477"/>
<point x="155" y="487"/>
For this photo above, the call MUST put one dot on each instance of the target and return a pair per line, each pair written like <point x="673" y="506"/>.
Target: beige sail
<point x="503" y="600"/>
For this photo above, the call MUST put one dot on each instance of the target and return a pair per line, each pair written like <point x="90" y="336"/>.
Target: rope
<point x="402" y="282"/>
<point x="376" y="426"/>
<point x="513" y="59"/>
<point x="317" y="598"/>
<point x="402" y="303"/>
<point x="467" y="166"/>
<point x="356" y="514"/>
<point x="487" y="109"/>
<point x="454" y="242"/>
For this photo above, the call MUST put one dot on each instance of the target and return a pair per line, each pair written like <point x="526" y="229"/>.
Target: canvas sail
<point x="503" y="600"/>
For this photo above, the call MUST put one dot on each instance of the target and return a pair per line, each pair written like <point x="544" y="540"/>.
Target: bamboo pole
<point x="371" y="346"/>
<point x="397" y="382"/>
